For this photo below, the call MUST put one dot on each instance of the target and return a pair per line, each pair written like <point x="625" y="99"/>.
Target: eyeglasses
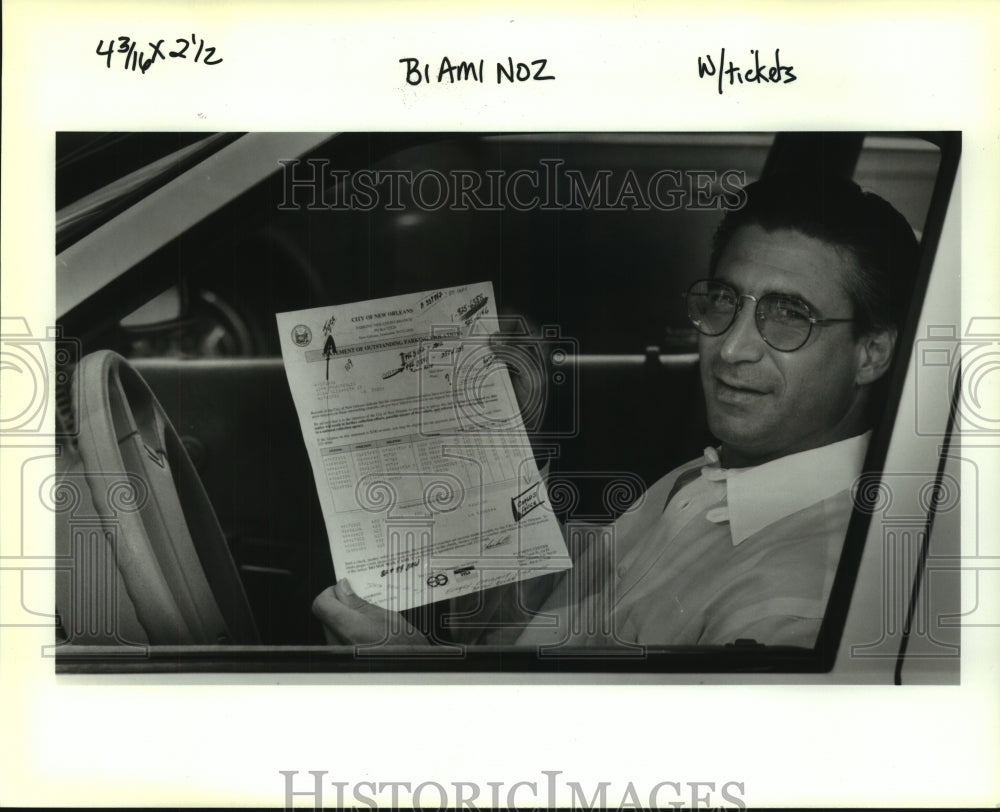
<point x="784" y="322"/>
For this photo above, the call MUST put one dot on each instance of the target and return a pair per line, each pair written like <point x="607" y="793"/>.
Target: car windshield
<point x="98" y="175"/>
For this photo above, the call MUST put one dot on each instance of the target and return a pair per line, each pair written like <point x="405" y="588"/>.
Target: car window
<point x="598" y="233"/>
<point x="901" y="169"/>
<point x="594" y="234"/>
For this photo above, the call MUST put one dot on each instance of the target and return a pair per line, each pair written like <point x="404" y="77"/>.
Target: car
<point x="175" y="250"/>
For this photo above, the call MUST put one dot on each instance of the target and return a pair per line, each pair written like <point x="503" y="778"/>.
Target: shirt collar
<point x="763" y="494"/>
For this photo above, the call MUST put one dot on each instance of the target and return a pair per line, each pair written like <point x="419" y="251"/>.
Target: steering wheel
<point x="170" y="550"/>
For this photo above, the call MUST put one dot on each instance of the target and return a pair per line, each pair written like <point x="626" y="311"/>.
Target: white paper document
<point x="424" y="470"/>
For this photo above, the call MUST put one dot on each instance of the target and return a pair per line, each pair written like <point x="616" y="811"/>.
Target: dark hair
<point x="837" y="211"/>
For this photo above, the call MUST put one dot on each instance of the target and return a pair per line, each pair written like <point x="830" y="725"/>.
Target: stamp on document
<point x="526" y="501"/>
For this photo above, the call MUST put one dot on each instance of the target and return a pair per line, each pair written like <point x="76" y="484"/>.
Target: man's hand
<point x="350" y="620"/>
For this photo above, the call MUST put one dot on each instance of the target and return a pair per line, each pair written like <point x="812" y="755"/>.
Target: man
<point x="808" y="284"/>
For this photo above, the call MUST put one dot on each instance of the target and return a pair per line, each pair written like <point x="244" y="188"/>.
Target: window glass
<point x="599" y="233"/>
<point x="902" y="169"/>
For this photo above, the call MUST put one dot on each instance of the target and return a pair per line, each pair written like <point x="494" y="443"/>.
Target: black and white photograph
<point x="708" y="337"/>
<point x="505" y="406"/>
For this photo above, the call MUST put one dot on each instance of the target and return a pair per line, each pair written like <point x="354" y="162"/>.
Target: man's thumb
<point x="345" y="594"/>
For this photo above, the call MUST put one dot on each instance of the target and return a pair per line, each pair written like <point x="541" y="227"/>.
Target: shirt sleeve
<point x="775" y="622"/>
<point x="502" y="613"/>
<point x="541" y="610"/>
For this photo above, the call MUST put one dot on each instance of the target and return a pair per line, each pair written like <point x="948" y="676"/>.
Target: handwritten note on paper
<point x="133" y="55"/>
<point x="729" y="73"/>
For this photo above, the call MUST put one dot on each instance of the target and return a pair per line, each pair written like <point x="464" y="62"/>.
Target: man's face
<point x="763" y="403"/>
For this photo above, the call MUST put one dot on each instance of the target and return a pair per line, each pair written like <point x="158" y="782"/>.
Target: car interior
<point x="236" y="548"/>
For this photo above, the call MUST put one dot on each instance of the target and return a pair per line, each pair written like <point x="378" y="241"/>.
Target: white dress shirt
<point x="736" y="554"/>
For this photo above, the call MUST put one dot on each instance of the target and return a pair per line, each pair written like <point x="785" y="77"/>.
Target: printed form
<point x="424" y="470"/>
